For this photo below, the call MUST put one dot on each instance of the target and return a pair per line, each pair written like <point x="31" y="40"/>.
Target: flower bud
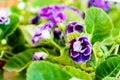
<point x="99" y="54"/>
<point x="39" y="56"/>
<point x="35" y="20"/>
<point x="57" y="33"/>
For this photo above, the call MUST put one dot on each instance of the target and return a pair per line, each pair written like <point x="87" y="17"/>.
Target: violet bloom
<point x="99" y="3"/>
<point x="39" y="56"/>
<point x="42" y="31"/>
<point x="80" y="49"/>
<point x="35" y="20"/>
<point x="48" y="11"/>
<point x="4" y="20"/>
<point x="55" y="14"/>
<point x="58" y="17"/>
<point x="74" y="26"/>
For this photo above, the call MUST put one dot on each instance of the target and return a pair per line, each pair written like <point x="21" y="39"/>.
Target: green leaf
<point x="109" y="68"/>
<point x="20" y="76"/>
<point x="43" y="70"/>
<point x="15" y="9"/>
<point x="111" y="78"/>
<point x="16" y="38"/>
<point x="20" y="61"/>
<point x="6" y="30"/>
<point x="78" y="73"/>
<point x="1" y="74"/>
<point x="98" y="24"/>
<point x="42" y="3"/>
<point x="16" y="41"/>
<point x="28" y="32"/>
<point x="114" y="14"/>
<point x="70" y="17"/>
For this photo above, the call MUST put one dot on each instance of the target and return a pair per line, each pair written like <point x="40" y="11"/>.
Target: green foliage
<point x="1" y="74"/>
<point x="15" y="9"/>
<point x="20" y="76"/>
<point x="98" y="24"/>
<point x="70" y="16"/>
<point x="111" y="78"/>
<point x="109" y="68"/>
<point x="20" y="61"/>
<point x="28" y="32"/>
<point x="78" y="73"/>
<point x="6" y="30"/>
<point x="114" y="14"/>
<point x="42" y="70"/>
<point x="16" y="41"/>
<point x="16" y="38"/>
<point x="42" y="3"/>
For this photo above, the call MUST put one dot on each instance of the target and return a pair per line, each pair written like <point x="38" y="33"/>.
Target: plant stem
<point x="111" y="50"/>
<point x="116" y="49"/>
<point x="55" y="44"/>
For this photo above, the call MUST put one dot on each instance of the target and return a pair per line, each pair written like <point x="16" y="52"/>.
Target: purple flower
<point x="55" y="14"/>
<point x="58" y="17"/>
<point x="39" y="56"/>
<point x="74" y="26"/>
<point x="48" y="11"/>
<point x="4" y="20"/>
<point x="42" y="31"/>
<point x="80" y="49"/>
<point x="99" y="3"/>
<point x="35" y="20"/>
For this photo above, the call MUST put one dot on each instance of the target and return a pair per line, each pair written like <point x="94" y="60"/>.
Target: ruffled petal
<point x="87" y="51"/>
<point x="74" y="54"/>
<point x="85" y="58"/>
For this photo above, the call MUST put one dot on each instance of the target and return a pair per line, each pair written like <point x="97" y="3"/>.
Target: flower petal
<point x="36" y="38"/>
<point x="72" y="41"/>
<point x="74" y="54"/>
<point x="87" y="51"/>
<point x="85" y="58"/>
<point x="79" y="28"/>
<point x="77" y="59"/>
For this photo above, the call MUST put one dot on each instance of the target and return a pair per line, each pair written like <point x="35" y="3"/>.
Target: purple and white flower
<point x="80" y="49"/>
<point x="55" y="14"/>
<point x="58" y="17"/>
<point x="48" y="11"/>
<point x="100" y="3"/>
<point x="4" y="19"/>
<point x="74" y="26"/>
<point x="42" y="31"/>
<point x="39" y="56"/>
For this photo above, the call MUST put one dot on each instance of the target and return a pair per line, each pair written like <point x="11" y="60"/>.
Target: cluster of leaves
<point x="102" y="27"/>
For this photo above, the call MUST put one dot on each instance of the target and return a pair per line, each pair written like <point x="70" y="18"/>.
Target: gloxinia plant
<point x="60" y="40"/>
